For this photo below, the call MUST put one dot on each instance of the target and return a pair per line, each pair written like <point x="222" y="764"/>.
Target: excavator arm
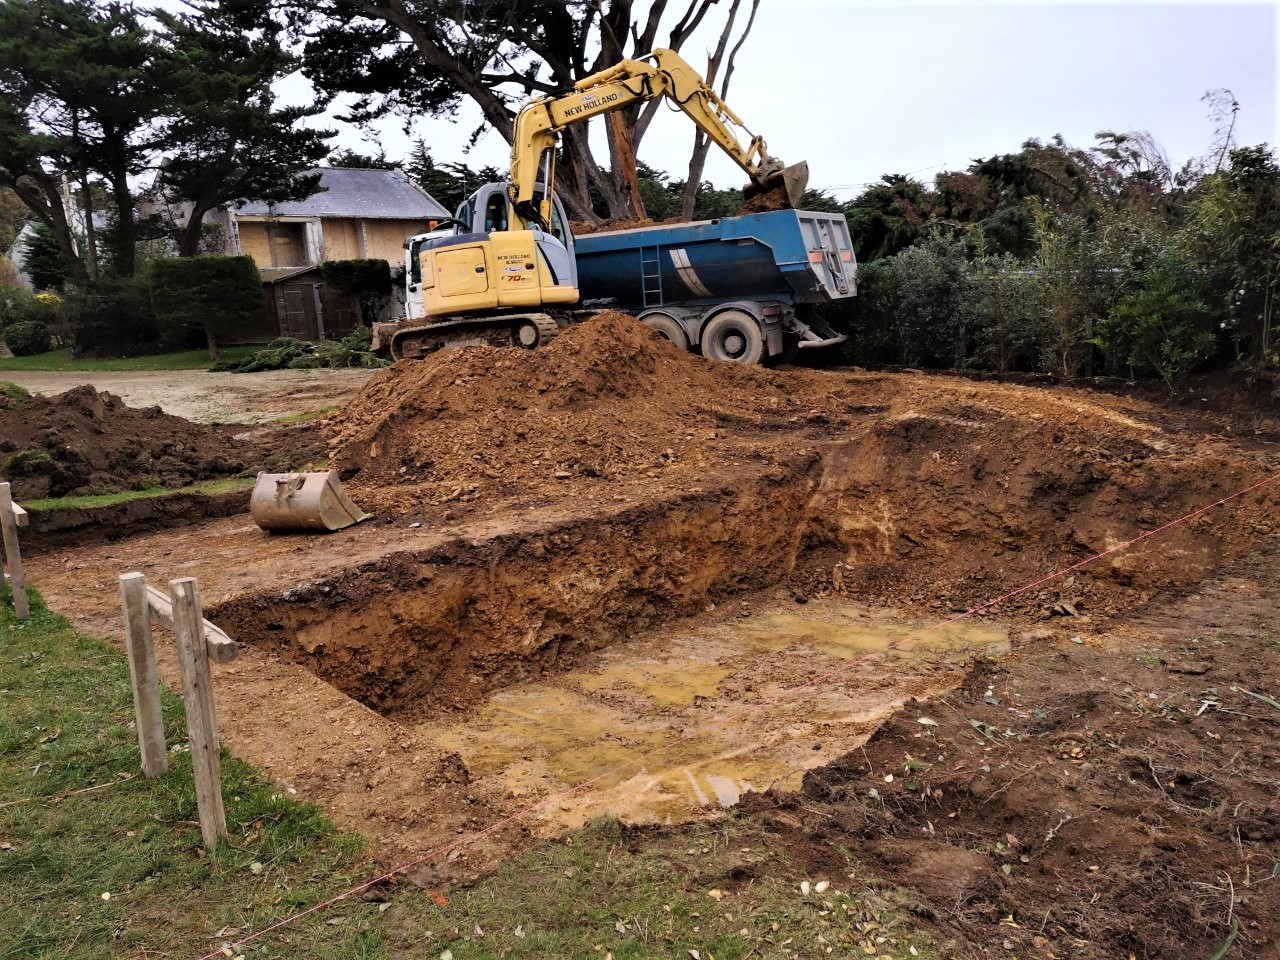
<point x="663" y="73"/>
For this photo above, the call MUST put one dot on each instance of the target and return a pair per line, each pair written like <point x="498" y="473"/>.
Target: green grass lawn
<point x="62" y="360"/>
<point x="120" y="871"/>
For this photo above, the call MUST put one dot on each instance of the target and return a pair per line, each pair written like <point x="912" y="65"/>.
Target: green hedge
<point x="369" y="281"/>
<point x="217" y="294"/>
<point x="360" y="277"/>
<point x="110" y="317"/>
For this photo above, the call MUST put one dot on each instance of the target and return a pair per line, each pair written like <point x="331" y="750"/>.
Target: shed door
<point x="296" y="310"/>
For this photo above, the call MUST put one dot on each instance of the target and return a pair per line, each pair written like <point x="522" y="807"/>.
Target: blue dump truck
<point x="741" y="289"/>
<point x="738" y="288"/>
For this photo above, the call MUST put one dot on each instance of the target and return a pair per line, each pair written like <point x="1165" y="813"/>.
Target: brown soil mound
<point x="83" y="442"/>
<point x="608" y="399"/>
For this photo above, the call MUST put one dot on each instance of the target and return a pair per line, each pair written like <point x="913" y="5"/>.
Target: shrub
<point x="217" y="294"/>
<point x="110" y="318"/>
<point x="22" y="306"/>
<point x="28" y="337"/>
<point x="1164" y="326"/>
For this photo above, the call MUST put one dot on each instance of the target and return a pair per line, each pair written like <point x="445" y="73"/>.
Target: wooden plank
<point x="20" y="515"/>
<point x="12" y="555"/>
<point x="221" y="648"/>
<point x="197" y="695"/>
<point x="141" y="651"/>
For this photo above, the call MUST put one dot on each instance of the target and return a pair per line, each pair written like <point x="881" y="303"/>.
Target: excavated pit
<point x="910" y="512"/>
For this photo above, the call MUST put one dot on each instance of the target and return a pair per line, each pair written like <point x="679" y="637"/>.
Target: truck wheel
<point x="669" y="328"/>
<point x="733" y="335"/>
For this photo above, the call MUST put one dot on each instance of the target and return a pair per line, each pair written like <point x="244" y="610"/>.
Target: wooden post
<point x="197" y="693"/>
<point x="142" y="672"/>
<point x="12" y="556"/>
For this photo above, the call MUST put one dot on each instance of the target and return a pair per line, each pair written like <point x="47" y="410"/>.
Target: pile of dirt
<point x="83" y="442"/>
<point x="582" y="227"/>
<point x="768" y="201"/>
<point x="1110" y="794"/>
<point x="606" y="400"/>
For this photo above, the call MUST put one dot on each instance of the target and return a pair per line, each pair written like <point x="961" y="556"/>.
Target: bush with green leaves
<point x="1008" y="313"/>
<point x="1164" y="326"/>
<point x="28" y="337"/>
<point x="286" y="353"/>
<point x="23" y="306"/>
<point x="220" y="295"/>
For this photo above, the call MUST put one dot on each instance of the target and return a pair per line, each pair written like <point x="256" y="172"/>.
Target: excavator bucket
<point x="781" y="190"/>
<point x="795" y="179"/>
<point x="302" y="501"/>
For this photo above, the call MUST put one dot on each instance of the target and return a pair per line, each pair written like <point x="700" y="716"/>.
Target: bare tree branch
<point x="702" y="143"/>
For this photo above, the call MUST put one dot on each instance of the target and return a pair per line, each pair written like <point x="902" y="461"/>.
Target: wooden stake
<point x="197" y="693"/>
<point x="142" y="672"/>
<point x="12" y="556"/>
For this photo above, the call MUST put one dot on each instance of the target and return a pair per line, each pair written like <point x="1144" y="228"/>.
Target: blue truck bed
<point x="791" y="256"/>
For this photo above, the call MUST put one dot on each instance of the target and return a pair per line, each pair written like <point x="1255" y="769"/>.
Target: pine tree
<point x="44" y="263"/>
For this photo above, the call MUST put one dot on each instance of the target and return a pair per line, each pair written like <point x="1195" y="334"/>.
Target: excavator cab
<point x="484" y="265"/>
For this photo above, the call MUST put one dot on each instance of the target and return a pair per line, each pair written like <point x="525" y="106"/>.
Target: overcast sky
<point x="860" y="89"/>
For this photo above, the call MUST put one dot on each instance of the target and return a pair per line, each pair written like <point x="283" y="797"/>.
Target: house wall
<point x="297" y="243"/>
<point x="254" y="242"/>
<point x="384" y="239"/>
<point x="341" y="239"/>
<point x="275" y="243"/>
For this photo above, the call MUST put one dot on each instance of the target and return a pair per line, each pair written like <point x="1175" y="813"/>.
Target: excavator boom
<point x="663" y="73"/>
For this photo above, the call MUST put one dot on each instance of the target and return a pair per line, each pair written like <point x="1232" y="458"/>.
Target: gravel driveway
<point x="210" y="397"/>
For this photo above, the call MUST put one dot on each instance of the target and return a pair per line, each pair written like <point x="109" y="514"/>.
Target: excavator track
<point x="525" y="330"/>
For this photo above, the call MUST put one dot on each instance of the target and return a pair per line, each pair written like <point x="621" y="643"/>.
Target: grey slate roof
<point x="357" y="192"/>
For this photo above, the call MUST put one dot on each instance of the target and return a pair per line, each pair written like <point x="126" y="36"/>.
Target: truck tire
<point x="733" y="335"/>
<point x="669" y="328"/>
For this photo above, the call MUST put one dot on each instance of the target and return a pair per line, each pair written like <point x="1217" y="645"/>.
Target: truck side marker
<point x="680" y="260"/>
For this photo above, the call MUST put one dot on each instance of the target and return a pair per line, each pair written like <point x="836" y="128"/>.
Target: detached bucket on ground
<point x="302" y="501"/>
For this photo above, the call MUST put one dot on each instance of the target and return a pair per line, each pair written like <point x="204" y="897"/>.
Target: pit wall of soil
<point x="902" y="512"/>
<point x="415" y="633"/>
<point x="83" y="526"/>
<point x="952" y="512"/>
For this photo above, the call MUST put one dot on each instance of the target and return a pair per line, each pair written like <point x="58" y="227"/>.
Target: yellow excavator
<point x="507" y="256"/>
<point x="490" y="276"/>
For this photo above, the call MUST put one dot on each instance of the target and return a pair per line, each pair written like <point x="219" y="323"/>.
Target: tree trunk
<point x="90" y="231"/>
<point x="41" y="194"/>
<point x="623" y="155"/>
<point x="211" y="336"/>
<point x="189" y="239"/>
<point x="701" y="142"/>
<point x="124" y="256"/>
